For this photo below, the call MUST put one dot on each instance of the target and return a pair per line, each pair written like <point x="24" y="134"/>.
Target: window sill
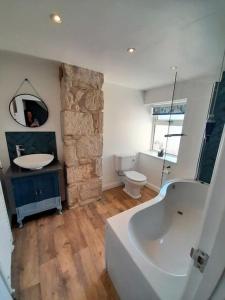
<point x="167" y="157"/>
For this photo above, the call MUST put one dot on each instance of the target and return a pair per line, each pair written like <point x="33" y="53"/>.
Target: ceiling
<point x="96" y="33"/>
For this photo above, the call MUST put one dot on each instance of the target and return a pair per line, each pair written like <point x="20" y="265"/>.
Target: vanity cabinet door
<point x="47" y="186"/>
<point x="24" y="191"/>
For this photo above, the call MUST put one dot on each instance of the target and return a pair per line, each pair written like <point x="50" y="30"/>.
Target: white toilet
<point x="124" y="165"/>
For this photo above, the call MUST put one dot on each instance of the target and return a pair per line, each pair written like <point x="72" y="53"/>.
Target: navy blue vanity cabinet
<point x="36" y="193"/>
<point x="47" y="186"/>
<point x="24" y="191"/>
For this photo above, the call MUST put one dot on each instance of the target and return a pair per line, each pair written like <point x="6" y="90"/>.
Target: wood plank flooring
<point x="61" y="257"/>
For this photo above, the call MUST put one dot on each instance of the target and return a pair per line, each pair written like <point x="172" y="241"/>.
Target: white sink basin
<point x="33" y="161"/>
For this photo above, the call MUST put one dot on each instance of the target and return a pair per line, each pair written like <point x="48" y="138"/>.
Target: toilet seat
<point x="135" y="176"/>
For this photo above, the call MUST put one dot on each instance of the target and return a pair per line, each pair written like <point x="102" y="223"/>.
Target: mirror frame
<point x="32" y="96"/>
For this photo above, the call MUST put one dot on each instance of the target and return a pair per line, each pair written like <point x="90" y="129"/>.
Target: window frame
<point x="155" y="122"/>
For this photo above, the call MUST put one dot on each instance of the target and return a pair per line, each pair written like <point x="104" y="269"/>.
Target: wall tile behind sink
<point x="32" y="142"/>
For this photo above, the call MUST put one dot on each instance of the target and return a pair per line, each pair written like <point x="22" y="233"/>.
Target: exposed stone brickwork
<point x="82" y="126"/>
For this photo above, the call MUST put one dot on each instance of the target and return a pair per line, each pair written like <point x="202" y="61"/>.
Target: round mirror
<point x="28" y="110"/>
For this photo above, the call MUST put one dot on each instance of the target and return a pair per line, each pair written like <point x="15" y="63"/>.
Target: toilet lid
<point x="133" y="175"/>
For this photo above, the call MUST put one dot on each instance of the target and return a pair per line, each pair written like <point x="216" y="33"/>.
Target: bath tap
<point x="19" y="149"/>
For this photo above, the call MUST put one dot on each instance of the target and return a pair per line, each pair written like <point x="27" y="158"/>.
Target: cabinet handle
<point x="38" y="192"/>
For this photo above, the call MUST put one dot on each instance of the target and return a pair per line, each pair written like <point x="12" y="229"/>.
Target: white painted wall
<point x="4" y="293"/>
<point x="44" y="76"/>
<point x="19" y="115"/>
<point x="126" y="127"/>
<point x="198" y="93"/>
<point x="126" y="118"/>
<point x="6" y="245"/>
<point x="127" y="121"/>
<point x="152" y="168"/>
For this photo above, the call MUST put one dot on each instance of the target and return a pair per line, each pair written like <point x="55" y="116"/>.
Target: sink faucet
<point x="19" y="149"/>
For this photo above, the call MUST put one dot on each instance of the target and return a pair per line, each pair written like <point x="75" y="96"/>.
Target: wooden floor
<point x="62" y="256"/>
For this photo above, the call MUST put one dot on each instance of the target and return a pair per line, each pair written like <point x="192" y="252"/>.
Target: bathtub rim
<point x="163" y="283"/>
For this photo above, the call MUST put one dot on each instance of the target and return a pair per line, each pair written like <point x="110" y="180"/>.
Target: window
<point x="161" y="121"/>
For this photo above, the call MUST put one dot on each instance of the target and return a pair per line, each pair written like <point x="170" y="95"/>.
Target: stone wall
<point x="82" y="125"/>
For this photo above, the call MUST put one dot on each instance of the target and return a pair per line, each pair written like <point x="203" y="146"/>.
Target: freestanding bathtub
<point x="148" y="246"/>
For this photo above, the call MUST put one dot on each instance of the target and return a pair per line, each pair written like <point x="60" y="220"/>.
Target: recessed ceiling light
<point x="174" y="68"/>
<point x="131" y="50"/>
<point x="56" y="18"/>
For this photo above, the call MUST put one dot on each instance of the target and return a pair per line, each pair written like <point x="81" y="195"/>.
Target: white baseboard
<point x="111" y="185"/>
<point x="153" y="187"/>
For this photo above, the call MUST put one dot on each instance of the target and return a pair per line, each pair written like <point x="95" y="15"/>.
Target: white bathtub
<point x="148" y="246"/>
